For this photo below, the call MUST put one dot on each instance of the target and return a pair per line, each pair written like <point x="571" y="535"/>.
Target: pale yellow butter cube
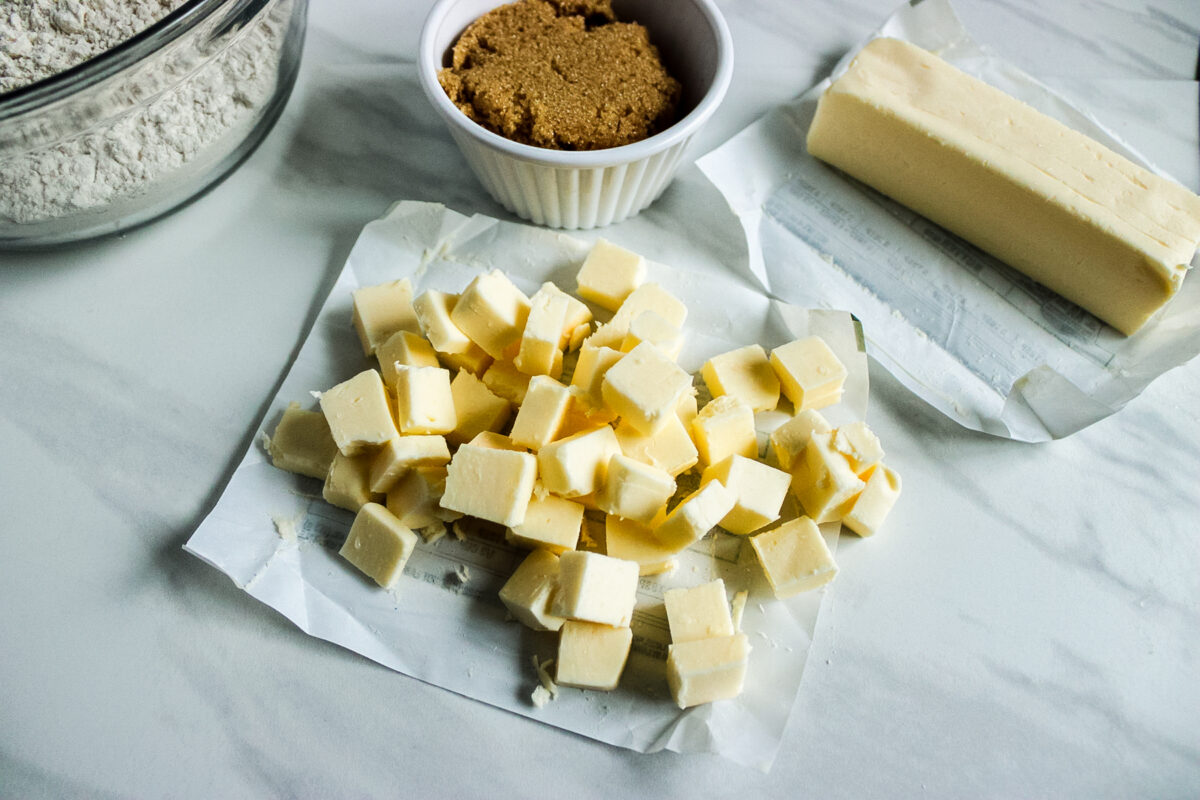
<point x="496" y="441"/>
<point x="591" y="656"/>
<point x="506" y="381"/>
<point x="424" y="403"/>
<point x="634" y="490"/>
<point x="644" y="387"/>
<point x="809" y="373"/>
<point x="707" y="670"/>
<point x="491" y="484"/>
<point x="649" y="326"/>
<point x="698" y="612"/>
<point x="725" y="427"/>
<point x="476" y="408"/>
<point x="872" y="506"/>
<point x="687" y="409"/>
<point x="407" y="348"/>
<point x="610" y="274"/>
<point x="670" y="448"/>
<point x="578" y="314"/>
<point x="633" y="541"/>
<point x="528" y="592"/>
<point x="647" y="297"/>
<point x="472" y="360"/>
<point x="492" y="311"/>
<point x="539" y="349"/>
<point x="550" y="522"/>
<point x="402" y="453"/>
<point x="594" y="363"/>
<point x="541" y="416"/>
<point x="823" y="481"/>
<point x="696" y="515"/>
<point x="859" y="444"/>
<point x="433" y="310"/>
<point x="380" y="311"/>
<point x="578" y="336"/>
<point x="794" y="557"/>
<point x="348" y="482"/>
<point x="595" y="588"/>
<point x="744" y="373"/>
<point x="577" y="465"/>
<point x="759" y="491"/>
<point x="789" y="439"/>
<point x="302" y="443"/>
<point x="359" y="413"/>
<point x="416" y="498"/>
<point x="378" y="545"/>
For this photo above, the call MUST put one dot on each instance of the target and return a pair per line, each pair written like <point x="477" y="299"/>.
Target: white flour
<point x="136" y="150"/>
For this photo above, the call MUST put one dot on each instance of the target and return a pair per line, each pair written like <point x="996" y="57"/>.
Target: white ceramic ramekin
<point x="588" y="189"/>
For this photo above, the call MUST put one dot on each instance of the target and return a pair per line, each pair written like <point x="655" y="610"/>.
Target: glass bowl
<point x="141" y="129"/>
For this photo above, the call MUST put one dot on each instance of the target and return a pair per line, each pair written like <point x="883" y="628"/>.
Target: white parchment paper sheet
<point x="974" y="338"/>
<point x="274" y="536"/>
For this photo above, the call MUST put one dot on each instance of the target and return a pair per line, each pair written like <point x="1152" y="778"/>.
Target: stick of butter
<point x="1093" y="226"/>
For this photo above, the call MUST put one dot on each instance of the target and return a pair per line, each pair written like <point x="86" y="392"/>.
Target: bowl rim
<point x="130" y="52"/>
<point x="429" y="62"/>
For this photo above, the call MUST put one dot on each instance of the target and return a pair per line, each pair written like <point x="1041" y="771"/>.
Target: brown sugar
<point x="561" y="74"/>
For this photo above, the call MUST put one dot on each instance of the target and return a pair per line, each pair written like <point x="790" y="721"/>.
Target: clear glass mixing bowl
<point x="141" y="129"/>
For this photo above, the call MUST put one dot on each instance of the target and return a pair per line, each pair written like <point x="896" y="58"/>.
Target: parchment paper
<point x="974" y="338"/>
<point x="274" y="536"/>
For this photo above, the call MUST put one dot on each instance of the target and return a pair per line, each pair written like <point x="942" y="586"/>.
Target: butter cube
<point x="424" y="403"/>
<point x="823" y="481"/>
<point x="595" y="588"/>
<point x="550" y="522"/>
<point x="539" y="349"/>
<point x="644" y="388"/>
<point x="759" y="492"/>
<point x="359" y="413"/>
<point x="744" y="373"/>
<point x="794" y="557"/>
<point x="670" y="448"/>
<point x="594" y="363"/>
<point x="348" y="483"/>
<point x="634" y="490"/>
<point x="610" y="274"/>
<point x="402" y="453"/>
<point x="472" y="360"/>
<point x="578" y="314"/>
<point x="789" y="439"/>
<point x="407" y="348"/>
<point x="872" y="506"/>
<point x="378" y="545"/>
<point x="591" y="656"/>
<point x="496" y="441"/>
<point x="647" y="297"/>
<point x="416" y="497"/>
<point x="433" y="310"/>
<point x="578" y="336"/>
<point x="505" y="380"/>
<point x="725" y="427"/>
<point x="696" y="515"/>
<point x="633" y="541"/>
<point x="707" y="670"/>
<point x="495" y="485"/>
<point x="651" y="327"/>
<point x="380" y="311"/>
<point x="492" y="311"/>
<point x="577" y="465"/>
<point x="527" y="594"/>
<point x="809" y="373"/>
<point x="541" y="416"/>
<point x="476" y="409"/>
<point x="687" y="410"/>
<point x="699" y="612"/>
<point x="302" y="443"/>
<point x="859" y="445"/>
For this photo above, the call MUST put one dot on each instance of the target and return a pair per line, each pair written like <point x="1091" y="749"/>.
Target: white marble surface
<point x="1030" y="626"/>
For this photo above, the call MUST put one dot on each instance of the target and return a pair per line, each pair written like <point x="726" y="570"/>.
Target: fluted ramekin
<point x="588" y="189"/>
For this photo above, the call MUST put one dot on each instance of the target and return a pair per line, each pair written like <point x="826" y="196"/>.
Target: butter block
<point x="402" y="453"/>
<point x="1086" y="222"/>
<point x="707" y="670"/>
<point x="688" y="409"/>
<point x="647" y="297"/>
<point x="634" y="490"/>
<point x="496" y="441"/>
<point x="424" y="403"/>
<point x="859" y="444"/>
<point x="359" y="413"/>
<point x="725" y="427"/>
<point x="541" y="416"/>
<point x="823" y="481"/>
<point x="595" y="588"/>
<point x="416" y="498"/>
<point x="610" y="274"/>
<point x="302" y="443"/>
<point x="594" y="363"/>
<point x="789" y="439"/>
<point x="810" y="375"/>
<point x="758" y="490"/>
<point x="794" y="557"/>
<point x="476" y="408"/>
<point x="551" y="522"/>
<point x="540" y="350"/>
<point x="651" y="327"/>
<point x="528" y="592"/>
<point x="698" y="612"/>
<point x="380" y="311"/>
<point x="633" y="541"/>
<point x="378" y="545"/>
<point x="670" y="448"/>
<point x="745" y="374"/>
<point x="472" y="360"/>
<point x="578" y="336"/>
<point x="578" y="314"/>
<point x="696" y="515"/>
<point x="872" y="506"/>
<point x="591" y="656"/>
<point x="433" y="310"/>
<point x="495" y="485"/>
<point x="644" y="387"/>
<point x="348" y="482"/>
<point x="492" y="311"/>
<point x="407" y="348"/>
<point x="505" y="380"/>
<point x="577" y="465"/>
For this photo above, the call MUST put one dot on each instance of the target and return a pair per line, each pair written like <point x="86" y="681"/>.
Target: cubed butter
<point x="591" y="656"/>
<point x="402" y="453"/>
<point x="416" y="498"/>
<point x="433" y="309"/>
<point x="789" y="439"/>
<point x="550" y="522"/>
<point x="725" y="427"/>
<point x="378" y="545"/>
<point x="380" y="311"/>
<point x="670" y="448"/>
<point x="495" y="485"/>
<point x="698" y="612"/>
<point x="823" y="481"/>
<point x="610" y="274"/>
<point x="302" y="443"/>
<point x="634" y="490"/>
<point x="578" y="314"/>
<point x="528" y="592"/>
<point x="476" y="408"/>
<point x="644" y="387"/>
<point x="348" y="482"/>
<point x="707" y="670"/>
<point x="794" y="557"/>
<point x="407" y="348"/>
<point x="359" y="413"/>
<point x="633" y="541"/>
<point x="577" y="465"/>
<point x="696" y="515"/>
<point x="759" y="492"/>
<point x="647" y="297"/>
<point x="744" y="373"/>
<point x="505" y="380"/>
<point x="810" y="375"/>
<point x="472" y="360"/>
<point x="496" y="441"/>
<point x="595" y="588"/>
<point x="492" y="311"/>
<point x="859" y="444"/>
<point x="651" y="327"/>
<point x="541" y="416"/>
<point x="872" y="506"/>
<point x="424" y="403"/>
<point x="539" y="350"/>
<point x="594" y="363"/>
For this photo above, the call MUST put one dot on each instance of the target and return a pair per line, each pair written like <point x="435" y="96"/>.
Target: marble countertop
<point x="1028" y="627"/>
